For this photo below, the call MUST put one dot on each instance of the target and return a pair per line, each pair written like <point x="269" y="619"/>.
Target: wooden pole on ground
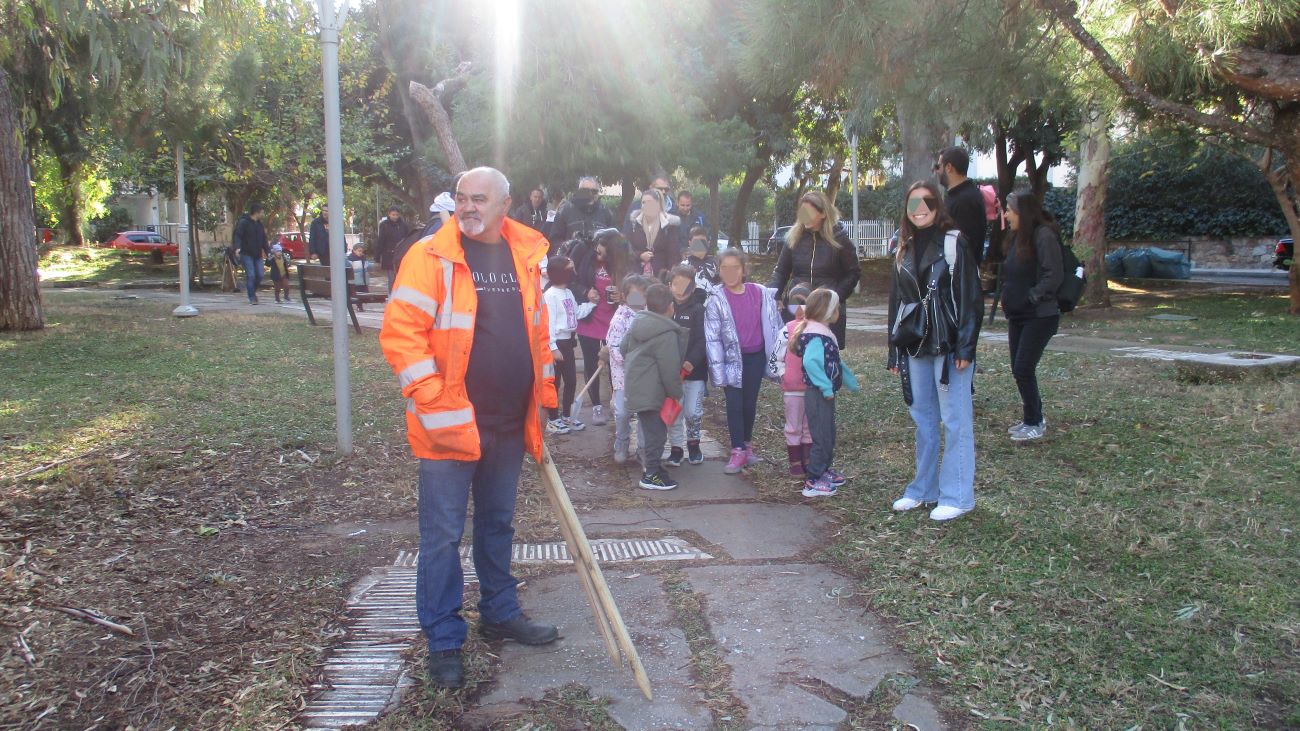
<point x="608" y="618"/>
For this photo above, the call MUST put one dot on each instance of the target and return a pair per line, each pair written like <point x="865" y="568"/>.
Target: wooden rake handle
<point x="608" y="618"/>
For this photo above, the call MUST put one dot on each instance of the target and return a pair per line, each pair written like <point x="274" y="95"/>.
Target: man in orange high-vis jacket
<point x="465" y="330"/>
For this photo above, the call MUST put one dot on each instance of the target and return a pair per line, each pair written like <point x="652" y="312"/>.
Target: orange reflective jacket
<point x="429" y="329"/>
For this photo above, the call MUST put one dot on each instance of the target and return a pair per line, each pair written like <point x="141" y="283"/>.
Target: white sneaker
<point x="598" y="416"/>
<point x="904" y="504"/>
<point x="947" y="512"/>
<point x="574" y="424"/>
<point x="557" y="426"/>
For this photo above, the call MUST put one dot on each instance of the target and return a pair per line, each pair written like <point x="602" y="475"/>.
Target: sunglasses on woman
<point x="914" y="204"/>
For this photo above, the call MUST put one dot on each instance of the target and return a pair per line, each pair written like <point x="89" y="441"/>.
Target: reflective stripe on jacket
<point x="428" y="332"/>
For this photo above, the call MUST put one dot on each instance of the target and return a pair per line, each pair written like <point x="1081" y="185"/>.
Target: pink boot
<point x="736" y="463"/>
<point x="750" y="457"/>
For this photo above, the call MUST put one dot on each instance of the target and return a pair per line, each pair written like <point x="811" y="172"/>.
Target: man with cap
<point x="442" y="209"/>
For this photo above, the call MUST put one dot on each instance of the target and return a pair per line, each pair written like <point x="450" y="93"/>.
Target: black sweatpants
<point x="566" y="378"/>
<point x="590" y="362"/>
<point x="655" y="433"/>
<point x="1028" y="339"/>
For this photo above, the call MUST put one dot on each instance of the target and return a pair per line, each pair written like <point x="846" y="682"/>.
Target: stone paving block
<point x="779" y="624"/>
<point x="744" y="530"/>
<point x="580" y="657"/>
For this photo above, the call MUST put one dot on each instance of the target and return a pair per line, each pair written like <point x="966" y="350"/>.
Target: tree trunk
<point x="1037" y="174"/>
<point x="921" y="138"/>
<point x="1089" y="211"/>
<point x="628" y="184"/>
<point x="20" y="293"/>
<point x="1286" y="121"/>
<point x="73" y="204"/>
<point x="715" y="208"/>
<point x="196" y="259"/>
<point x="834" y="178"/>
<point x="753" y="174"/>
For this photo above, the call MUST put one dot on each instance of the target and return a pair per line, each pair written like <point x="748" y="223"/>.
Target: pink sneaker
<point x="750" y="457"/>
<point x="736" y="463"/>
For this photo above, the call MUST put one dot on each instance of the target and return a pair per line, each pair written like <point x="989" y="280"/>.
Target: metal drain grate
<point x="365" y="675"/>
<point x="606" y="549"/>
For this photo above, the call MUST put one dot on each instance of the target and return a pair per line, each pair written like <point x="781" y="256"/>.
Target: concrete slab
<point x="778" y="625"/>
<point x="746" y="531"/>
<point x="580" y="657"/>
<point x="919" y="712"/>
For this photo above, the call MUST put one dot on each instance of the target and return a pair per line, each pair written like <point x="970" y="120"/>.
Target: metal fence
<point x="871" y="238"/>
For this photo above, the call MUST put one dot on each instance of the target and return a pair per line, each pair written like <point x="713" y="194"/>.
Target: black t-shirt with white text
<point x="499" y="380"/>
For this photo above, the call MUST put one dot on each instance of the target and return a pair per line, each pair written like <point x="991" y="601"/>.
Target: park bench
<point x="314" y="283"/>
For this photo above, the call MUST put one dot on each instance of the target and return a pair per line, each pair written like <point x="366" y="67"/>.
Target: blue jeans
<point x="742" y="403"/>
<point x="951" y="481"/>
<point x="445" y="488"/>
<point x="253" y="270"/>
<point x="687" y="427"/>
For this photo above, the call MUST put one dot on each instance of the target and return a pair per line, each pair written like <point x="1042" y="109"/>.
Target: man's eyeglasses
<point x="588" y="190"/>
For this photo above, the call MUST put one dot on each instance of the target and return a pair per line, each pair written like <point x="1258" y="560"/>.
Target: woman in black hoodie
<point x="1031" y="275"/>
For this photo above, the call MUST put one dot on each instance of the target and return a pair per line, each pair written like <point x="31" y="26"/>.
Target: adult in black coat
<point x="654" y="236"/>
<point x="391" y="232"/>
<point x="819" y="252"/>
<point x="607" y="249"/>
<point x="583" y="215"/>
<point x="318" y="238"/>
<point x="532" y="212"/>
<point x="964" y="202"/>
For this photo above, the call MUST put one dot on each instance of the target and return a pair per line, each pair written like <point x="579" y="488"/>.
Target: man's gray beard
<point x="472" y="227"/>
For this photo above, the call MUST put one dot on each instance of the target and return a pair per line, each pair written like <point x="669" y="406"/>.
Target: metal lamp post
<point x="329" y="43"/>
<point x="185" y="309"/>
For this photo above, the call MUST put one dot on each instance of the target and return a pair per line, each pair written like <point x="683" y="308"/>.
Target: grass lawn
<point x="1137" y="569"/>
<point x="195" y="509"/>
<point x="1246" y="318"/>
<point x="107" y="267"/>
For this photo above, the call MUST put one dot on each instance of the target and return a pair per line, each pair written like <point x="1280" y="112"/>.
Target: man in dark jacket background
<point x="532" y="212"/>
<point x="964" y="202"/>
<point x="318" y="238"/>
<point x="583" y="215"/>
<point x="391" y="232"/>
<point x="249" y="240"/>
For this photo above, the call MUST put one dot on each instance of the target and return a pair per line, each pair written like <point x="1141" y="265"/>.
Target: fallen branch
<point x="25" y="650"/>
<point x="88" y="616"/>
<point x="52" y="465"/>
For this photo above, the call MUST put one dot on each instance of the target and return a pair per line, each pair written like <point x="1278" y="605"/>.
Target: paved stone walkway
<point x="796" y="640"/>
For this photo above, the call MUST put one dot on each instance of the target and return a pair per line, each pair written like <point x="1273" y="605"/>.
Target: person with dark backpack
<point x="1032" y="275"/>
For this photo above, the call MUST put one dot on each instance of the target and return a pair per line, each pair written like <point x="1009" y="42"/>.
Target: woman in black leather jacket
<point x="936" y="287"/>
<point x="819" y="252"/>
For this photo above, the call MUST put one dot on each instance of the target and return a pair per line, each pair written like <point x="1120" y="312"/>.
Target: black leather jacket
<point x="815" y="260"/>
<point x="957" y="306"/>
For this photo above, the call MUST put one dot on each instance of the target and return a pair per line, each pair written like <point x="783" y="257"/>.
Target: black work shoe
<point x="446" y="669"/>
<point x="521" y="630"/>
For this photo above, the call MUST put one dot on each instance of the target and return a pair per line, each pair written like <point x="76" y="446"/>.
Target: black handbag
<point x="910" y="324"/>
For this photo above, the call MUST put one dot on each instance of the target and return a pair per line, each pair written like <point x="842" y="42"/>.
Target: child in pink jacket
<point x="798" y="440"/>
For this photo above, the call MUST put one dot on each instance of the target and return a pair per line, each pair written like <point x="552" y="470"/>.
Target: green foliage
<point x="1164" y="186"/>
<point x="882" y="202"/>
<point x="106" y="226"/>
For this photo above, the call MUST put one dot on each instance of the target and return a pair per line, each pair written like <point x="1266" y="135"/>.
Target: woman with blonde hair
<point x="819" y="252"/>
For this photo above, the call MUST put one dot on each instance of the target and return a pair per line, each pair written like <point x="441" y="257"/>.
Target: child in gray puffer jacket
<point x="653" y="351"/>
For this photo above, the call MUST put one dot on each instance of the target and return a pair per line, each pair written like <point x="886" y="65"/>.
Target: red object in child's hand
<point x="671" y="409"/>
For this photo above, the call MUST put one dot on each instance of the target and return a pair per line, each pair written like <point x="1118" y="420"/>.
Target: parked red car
<point x="146" y="241"/>
<point x="293" y="242"/>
